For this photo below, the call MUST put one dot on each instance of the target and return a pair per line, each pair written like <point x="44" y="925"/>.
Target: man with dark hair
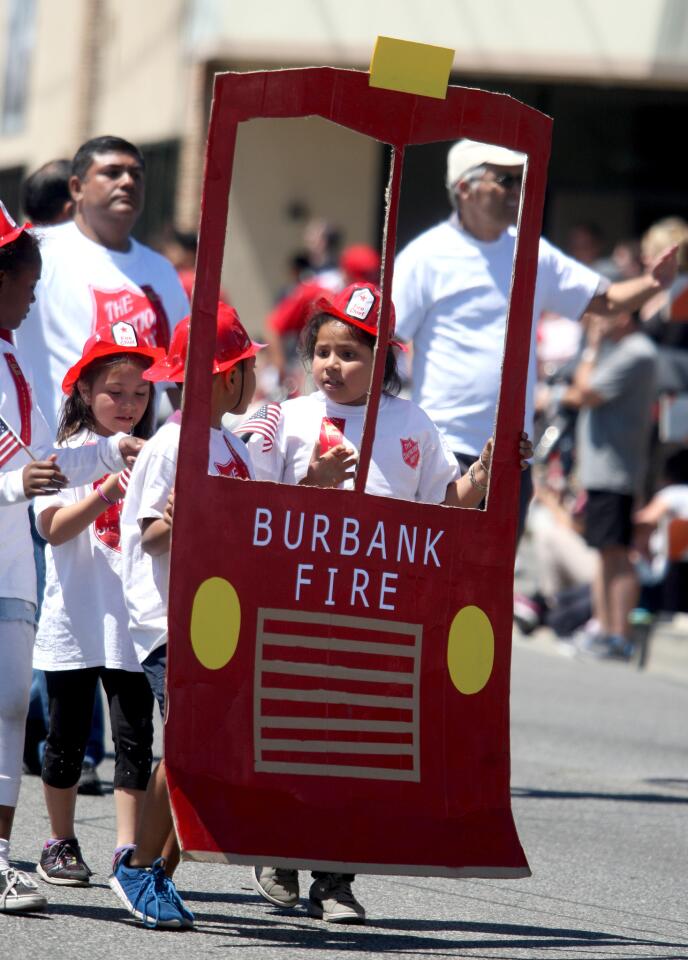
<point x="94" y="270"/>
<point x="88" y="151"/>
<point x="46" y="199"/>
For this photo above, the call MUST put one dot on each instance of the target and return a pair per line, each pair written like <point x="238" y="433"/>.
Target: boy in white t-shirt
<point x="142" y="879"/>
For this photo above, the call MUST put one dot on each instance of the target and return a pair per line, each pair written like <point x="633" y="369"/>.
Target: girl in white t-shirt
<point x="314" y="440"/>
<point x="83" y="632"/>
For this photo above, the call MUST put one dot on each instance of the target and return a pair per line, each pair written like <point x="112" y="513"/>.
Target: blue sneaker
<point x="149" y="895"/>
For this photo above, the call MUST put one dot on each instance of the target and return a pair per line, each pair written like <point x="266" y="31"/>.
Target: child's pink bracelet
<point x="103" y="496"/>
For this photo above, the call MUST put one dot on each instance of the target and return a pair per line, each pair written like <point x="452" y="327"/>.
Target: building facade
<point x="615" y="82"/>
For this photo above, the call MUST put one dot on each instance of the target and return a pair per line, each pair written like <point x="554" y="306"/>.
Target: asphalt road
<point x="600" y="785"/>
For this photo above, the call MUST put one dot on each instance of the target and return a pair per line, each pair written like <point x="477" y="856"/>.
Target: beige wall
<point x="138" y="69"/>
<point x="100" y="66"/>
<point x="53" y="85"/>
<point x="123" y="68"/>
<point x="328" y="168"/>
<point x="142" y="80"/>
<point x="612" y="39"/>
<point x="138" y="77"/>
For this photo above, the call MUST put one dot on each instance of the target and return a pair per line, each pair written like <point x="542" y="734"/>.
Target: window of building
<point x="10" y="189"/>
<point x="20" y="30"/>
<point x="162" y="163"/>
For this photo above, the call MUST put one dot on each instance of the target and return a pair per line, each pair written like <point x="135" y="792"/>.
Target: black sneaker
<point x="63" y="863"/>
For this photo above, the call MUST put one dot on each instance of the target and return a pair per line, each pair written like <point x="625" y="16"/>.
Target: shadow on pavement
<point x="411" y="937"/>
<point x="418" y="937"/>
<point x="530" y="793"/>
<point x="671" y="782"/>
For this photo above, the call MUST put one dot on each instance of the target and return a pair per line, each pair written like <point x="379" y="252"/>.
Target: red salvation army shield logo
<point x="128" y="305"/>
<point x="410" y="451"/>
<point x="106" y="525"/>
<point x="234" y="467"/>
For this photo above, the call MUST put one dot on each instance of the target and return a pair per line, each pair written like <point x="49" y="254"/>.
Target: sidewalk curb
<point x="668" y="651"/>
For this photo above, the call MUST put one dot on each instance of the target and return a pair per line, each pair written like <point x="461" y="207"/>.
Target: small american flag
<point x="264" y="422"/>
<point x="123" y="480"/>
<point x="9" y="442"/>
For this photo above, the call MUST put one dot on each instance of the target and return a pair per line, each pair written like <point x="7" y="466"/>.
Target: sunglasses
<point x="508" y="180"/>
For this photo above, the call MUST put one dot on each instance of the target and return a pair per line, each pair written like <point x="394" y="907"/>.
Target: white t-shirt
<point x="17" y="568"/>
<point x="410" y="460"/>
<point x="146" y="578"/>
<point x="83" y="618"/>
<point x="81" y="282"/>
<point x="451" y="295"/>
<point x="675" y="496"/>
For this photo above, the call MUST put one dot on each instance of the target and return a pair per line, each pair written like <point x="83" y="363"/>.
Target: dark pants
<point x="322" y="875"/>
<point x="70" y="696"/>
<point x="38" y="721"/>
<point x="572" y="608"/>
<point x="155" y="670"/>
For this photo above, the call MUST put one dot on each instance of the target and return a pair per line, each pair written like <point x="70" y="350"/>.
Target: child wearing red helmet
<point x="28" y="468"/>
<point x="83" y="633"/>
<point x="314" y="441"/>
<point x="142" y="878"/>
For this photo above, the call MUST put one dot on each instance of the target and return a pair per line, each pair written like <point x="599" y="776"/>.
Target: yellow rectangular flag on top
<point x="409" y="67"/>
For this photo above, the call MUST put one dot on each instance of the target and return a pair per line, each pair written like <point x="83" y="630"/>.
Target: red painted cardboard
<point x="337" y="734"/>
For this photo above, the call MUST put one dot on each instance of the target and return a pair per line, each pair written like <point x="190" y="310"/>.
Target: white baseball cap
<point x="466" y="154"/>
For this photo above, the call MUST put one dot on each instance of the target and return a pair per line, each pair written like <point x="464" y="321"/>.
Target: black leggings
<point x="70" y="696"/>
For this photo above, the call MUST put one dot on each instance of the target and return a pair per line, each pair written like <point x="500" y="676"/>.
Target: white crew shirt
<point x="82" y="282"/>
<point x="80" y="465"/>
<point x="409" y="459"/>
<point x="146" y="578"/>
<point x="83" y="618"/>
<point x="675" y="498"/>
<point x="451" y="295"/>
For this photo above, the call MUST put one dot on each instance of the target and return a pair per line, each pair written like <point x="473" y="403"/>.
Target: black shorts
<point x="675" y="588"/>
<point x="608" y="520"/>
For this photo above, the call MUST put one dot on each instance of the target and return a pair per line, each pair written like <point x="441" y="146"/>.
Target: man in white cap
<point x="451" y="293"/>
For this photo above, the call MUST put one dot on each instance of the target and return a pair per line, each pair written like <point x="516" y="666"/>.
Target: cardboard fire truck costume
<point x="335" y="657"/>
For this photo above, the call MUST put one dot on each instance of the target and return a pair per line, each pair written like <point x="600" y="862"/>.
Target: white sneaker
<point x="19" y="892"/>
<point x="277" y="885"/>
